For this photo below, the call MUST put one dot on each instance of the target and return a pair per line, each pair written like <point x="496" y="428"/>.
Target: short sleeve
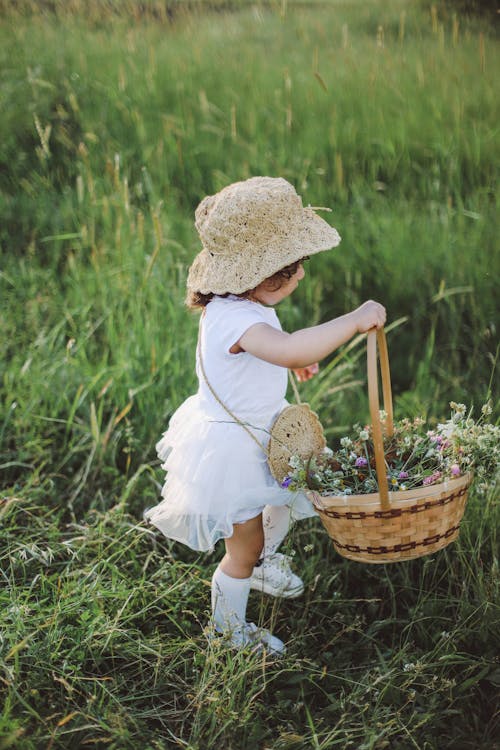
<point x="240" y="318"/>
<point x="230" y="319"/>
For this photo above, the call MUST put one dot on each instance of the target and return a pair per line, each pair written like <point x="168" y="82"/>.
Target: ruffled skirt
<point x="216" y="476"/>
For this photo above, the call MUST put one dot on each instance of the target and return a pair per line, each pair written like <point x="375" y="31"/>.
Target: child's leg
<point x="231" y="587"/>
<point x="272" y="574"/>
<point x="243" y="548"/>
<point x="231" y="580"/>
<point x="276" y="522"/>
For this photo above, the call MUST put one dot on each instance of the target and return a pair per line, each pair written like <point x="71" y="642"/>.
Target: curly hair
<point x="196" y="300"/>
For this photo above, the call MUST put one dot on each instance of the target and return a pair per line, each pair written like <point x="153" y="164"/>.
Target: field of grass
<point x="114" y="125"/>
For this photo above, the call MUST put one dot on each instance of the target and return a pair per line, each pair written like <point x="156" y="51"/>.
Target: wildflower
<point x="486" y="409"/>
<point x="458" y="408"/>
<point x="448" y="683"/>
<point x="414" y="457"/>
<point x="433" y="478"/>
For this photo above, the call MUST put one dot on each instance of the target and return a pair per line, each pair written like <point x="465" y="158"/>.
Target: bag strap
<point x="291" y="378"/>
<point x="221" y="402"/>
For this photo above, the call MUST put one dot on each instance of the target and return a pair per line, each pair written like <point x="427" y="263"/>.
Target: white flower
<point x="446" y="429"/>
<point x="486" y="409"/>
<point x="363" y="435"/>
<point x="346" y="442"/>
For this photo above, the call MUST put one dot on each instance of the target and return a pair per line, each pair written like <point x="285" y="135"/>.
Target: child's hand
<point x="306" y="373"/>
<point x="370" y="315"/>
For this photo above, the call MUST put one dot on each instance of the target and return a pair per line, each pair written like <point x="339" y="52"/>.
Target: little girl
<point x="256" y="235"/>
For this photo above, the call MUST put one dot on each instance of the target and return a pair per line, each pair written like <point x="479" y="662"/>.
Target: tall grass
<point x="112" y="130"/>
<point x="103" y="644"/>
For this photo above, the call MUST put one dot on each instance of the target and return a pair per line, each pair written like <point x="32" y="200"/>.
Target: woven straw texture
<point x="388" y="526"/>
<point x="249" y="231"/>
<point x="296" y="431"/>
<point x="419" y="521"/>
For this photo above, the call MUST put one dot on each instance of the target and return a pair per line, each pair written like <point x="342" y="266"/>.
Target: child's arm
<point x="309" y="345"/>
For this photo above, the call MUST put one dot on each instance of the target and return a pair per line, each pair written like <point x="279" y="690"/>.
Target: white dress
<point x="216" y="473"/>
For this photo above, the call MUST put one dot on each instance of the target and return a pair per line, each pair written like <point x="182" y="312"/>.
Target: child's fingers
<point x="371" y="315"/>
<point x="306" y="373"/>
<point x="300" y="374"/>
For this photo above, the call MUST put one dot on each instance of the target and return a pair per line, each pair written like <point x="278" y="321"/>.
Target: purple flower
<point x="360" y="462"/>
<point x="433" y="478"/>
<point x="434" y="438"/>
<point x="455" y="470"/>
<point x="286" y="482"/>
<point x="403" y="475"/>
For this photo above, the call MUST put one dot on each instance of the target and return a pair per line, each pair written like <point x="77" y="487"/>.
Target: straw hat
<point x="249" y="231"/>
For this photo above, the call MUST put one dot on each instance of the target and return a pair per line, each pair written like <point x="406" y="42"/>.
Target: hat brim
<point x="223" y="274"/>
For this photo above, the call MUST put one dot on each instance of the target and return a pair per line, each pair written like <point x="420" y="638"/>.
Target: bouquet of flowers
<point x="414" y="457"/>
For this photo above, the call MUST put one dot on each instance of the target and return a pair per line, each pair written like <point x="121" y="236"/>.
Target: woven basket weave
<point x="385" y="526"/>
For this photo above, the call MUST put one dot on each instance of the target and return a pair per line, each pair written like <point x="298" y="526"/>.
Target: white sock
<point x="229" y="600"/>
<point x="276" y="521"/>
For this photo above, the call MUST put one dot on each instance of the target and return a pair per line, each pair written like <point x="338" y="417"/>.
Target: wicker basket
<point x="385" y="526"/>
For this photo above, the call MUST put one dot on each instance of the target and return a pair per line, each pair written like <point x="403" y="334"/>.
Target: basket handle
<point x="378" y="337"/>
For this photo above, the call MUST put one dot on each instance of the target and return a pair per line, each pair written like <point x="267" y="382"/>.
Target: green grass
<point x="112" y="130"/>
<point x="103" y="643"/>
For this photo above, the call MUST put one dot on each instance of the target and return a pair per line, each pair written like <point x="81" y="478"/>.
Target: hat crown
<point x="250" y="230"/>
<point x="247" y="213"/>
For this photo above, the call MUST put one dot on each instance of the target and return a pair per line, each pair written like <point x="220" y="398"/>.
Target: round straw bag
<point x="385" y="526"/>
<point x="296" y="431"/>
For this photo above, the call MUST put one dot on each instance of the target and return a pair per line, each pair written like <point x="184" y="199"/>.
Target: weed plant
<point x="114" y="125"/>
